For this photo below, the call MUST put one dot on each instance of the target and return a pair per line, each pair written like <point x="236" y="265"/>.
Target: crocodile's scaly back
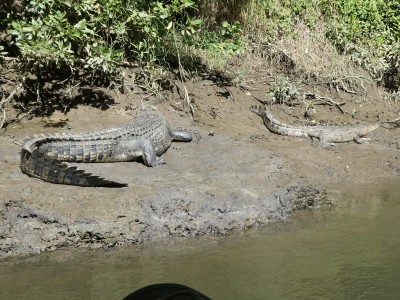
<point x="148" y="135"/>
<point x="147" y="124"/>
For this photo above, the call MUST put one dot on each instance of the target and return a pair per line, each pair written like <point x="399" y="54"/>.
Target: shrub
<point x="97" y="35"/>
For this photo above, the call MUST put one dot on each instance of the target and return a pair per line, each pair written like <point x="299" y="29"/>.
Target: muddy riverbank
<point x="235" y="175"/>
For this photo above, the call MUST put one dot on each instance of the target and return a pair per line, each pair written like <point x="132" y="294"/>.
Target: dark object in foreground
<point x="147" y="136"/>
<point x="166" y="291"/>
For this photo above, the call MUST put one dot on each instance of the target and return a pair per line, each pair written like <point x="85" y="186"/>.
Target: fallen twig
<point x="2" y="103"/>
<point x="326" y="100"/>
<point x="181" y="72"/>
<point x="215" y="113"/>
<point x="394" y="123"/>
<point x="4" y="118"/>
<point x="264" y="102"/>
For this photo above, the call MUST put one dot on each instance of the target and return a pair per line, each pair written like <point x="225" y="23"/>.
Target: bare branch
<point x="4" y="118"/>
<point x="3" y="101"/>
<point x="181" y="72"/>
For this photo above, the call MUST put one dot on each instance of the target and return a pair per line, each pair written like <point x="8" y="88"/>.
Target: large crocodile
<point x="325" y="134"/>
<point x="147" y="136"/>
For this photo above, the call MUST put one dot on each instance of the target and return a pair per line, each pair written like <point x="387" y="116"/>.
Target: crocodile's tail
<point x="36" y="165"/>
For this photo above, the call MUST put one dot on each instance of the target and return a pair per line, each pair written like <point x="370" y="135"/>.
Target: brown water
<point x="349" y="252"/>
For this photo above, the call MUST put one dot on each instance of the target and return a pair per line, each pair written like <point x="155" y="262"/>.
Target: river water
<point x="351" y="251"/>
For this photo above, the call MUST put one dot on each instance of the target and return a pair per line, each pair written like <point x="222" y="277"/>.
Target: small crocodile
<point x="147" y="136"/>
<point x="325" y="134"/>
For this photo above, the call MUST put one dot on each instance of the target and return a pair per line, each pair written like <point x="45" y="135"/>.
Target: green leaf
<point x="188" y="3"/>
<point x="27" y="29"/>
<point x="197" y="22"/>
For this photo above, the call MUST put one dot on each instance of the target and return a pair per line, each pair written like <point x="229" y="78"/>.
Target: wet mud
<point x="234" y="175"/>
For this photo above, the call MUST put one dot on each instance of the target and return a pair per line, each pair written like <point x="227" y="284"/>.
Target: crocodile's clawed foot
<point x="328" y="146"/>
<point x="196" y="135"/>
<point x="361" y="140"/>
<point x="159" y="161"/>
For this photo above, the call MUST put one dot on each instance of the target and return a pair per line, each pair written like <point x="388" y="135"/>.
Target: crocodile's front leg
<point x="322" y="137"/>
<point x="149" y="156"/>
<point x="129" y="150"/>
<point x="315" y="134"/>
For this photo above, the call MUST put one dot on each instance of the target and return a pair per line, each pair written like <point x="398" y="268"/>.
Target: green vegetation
<point x="367" y="31"/>
<point x="73" y="43"/>
<point x="282" y="91"/>
<point x="98" y="36"/>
